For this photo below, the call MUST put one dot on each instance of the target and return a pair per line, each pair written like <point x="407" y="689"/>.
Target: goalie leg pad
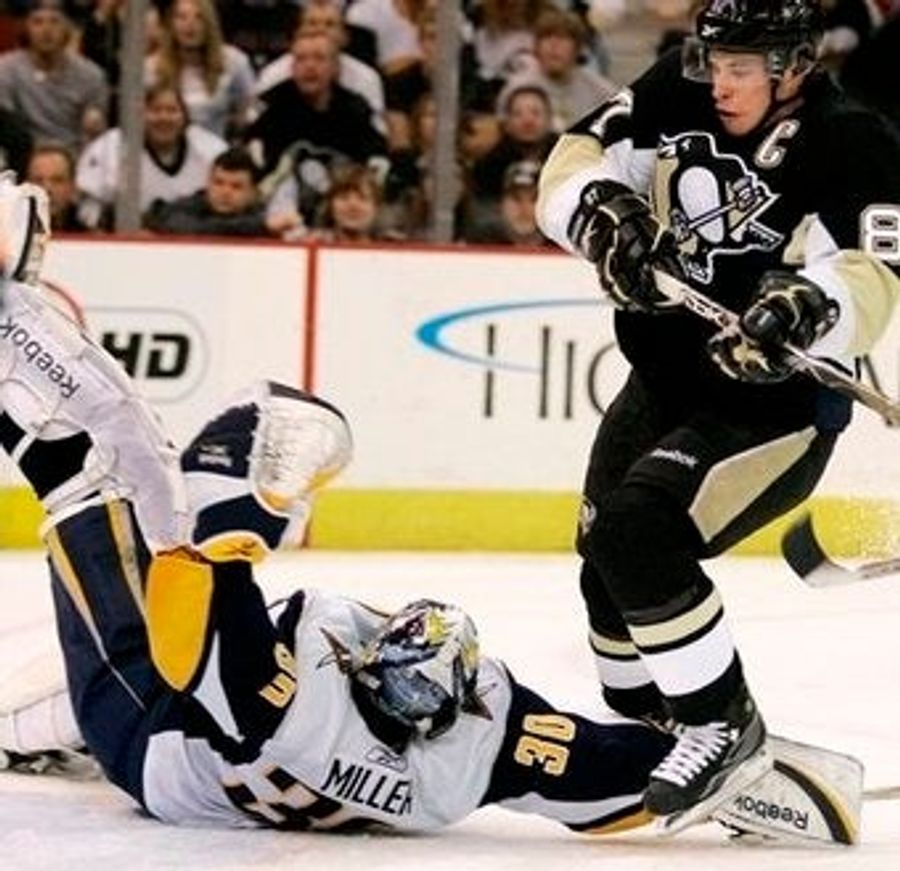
<point x="35" y="709"/>
<point x="811" y="795"/>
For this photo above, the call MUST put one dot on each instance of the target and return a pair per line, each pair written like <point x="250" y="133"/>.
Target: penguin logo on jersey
<point x="712" y="201"/>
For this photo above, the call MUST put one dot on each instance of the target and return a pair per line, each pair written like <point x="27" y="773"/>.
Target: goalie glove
<point x="250" y="472"/>
<point x="786" y="309"/>
<point x="616" y="230"/>
<point x="418" y="672"/>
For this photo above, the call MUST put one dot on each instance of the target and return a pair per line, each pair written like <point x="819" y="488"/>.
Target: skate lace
<point x="696" y="748"/>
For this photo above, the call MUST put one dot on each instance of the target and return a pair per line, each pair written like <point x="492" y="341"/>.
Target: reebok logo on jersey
<point x="37" y="355"/>
<point x="382" y="756"/>
<point x="365" y="786"/>
<point x="675" y="456"/>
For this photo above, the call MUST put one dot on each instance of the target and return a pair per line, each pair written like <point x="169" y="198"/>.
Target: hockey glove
<point x="786" y="309"/>
<point x="615" y="230"/>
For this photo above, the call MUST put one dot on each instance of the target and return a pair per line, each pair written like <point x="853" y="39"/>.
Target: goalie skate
<point x="71" y="764"/>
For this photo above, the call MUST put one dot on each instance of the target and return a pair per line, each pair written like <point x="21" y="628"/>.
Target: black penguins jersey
<point x="815" y="188"/>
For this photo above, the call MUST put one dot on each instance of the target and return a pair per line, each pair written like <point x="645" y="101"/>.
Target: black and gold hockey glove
<point x="786" y="309"/>
<point x="615" y="230"/>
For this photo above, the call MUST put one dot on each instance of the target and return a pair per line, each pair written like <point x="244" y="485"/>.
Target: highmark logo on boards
<point x="563" y="352"/>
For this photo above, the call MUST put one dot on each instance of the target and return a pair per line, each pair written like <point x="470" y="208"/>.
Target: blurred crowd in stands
<point x="299" y="119"/>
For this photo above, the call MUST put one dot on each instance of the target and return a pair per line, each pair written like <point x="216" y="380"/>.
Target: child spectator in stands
<point x="229" y="205"/>
<point x="216" y="80"/>
<point x="515" y="223"/>
<point x="61" y="95"/>
<point x="175" y="161"/>
<point x="353" y="74"/>
<point x="351" y="209"/>
<point x="526" y="122"/>
<point x="527" y="134"/>
<point x="573" y="88"/>
<point x="52" y="167"/>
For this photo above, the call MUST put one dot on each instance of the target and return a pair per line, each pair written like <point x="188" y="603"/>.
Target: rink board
<point x="473" y="382"/>
<point x="817" y="661"/>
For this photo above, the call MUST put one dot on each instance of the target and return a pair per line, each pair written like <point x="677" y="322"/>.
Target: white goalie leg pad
<point x="35" y="710"/>
<point x="811" y="795"/>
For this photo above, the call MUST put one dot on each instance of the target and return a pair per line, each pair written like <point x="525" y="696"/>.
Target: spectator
<point x="175" y="162"/>
<point x="504" y="38"/>
<point x="527" y="134"/>
<point x="479" y="132"/>
<point x="313" y="108"/>
<point x="353" y="74"/>
<point x="601" y="16"/>
<point x="101" y="36"/>
<point x="52" y="167"/>
<point x="15" y="142"/>
<point x="516" y="223"/>
<point x="848" y="25"/>
<point x="61" y="95"/>
<point x="574" y="89"/>
<point x="405" y="88"/>
<point x="392" y="24"/>
<point x="351" y="209"/>
<point x="216" y="80"/>
<point x="409" y="186"/>
<point x="260" y="28"/>
<point x="229" y="205"/>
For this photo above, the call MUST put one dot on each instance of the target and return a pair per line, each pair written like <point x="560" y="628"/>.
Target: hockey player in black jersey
<point x="740" y="168"/>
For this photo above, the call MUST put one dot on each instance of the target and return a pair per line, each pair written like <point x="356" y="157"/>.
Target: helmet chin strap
<point x="779" y="107"/>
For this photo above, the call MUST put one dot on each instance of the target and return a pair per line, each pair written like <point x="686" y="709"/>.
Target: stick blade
<point x="807" y="559"/>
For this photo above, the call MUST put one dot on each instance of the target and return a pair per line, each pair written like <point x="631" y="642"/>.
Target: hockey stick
<point x="805" y="555"/>
<point x="824" y="371"/>
<point x="882" y="793"/>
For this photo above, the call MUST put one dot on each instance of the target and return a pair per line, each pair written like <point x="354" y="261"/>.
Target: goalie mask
<point x="785" y="32"/>
<point x="418" y="672"/>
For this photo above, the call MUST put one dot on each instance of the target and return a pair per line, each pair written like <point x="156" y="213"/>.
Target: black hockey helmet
<point x="785" y="31"/>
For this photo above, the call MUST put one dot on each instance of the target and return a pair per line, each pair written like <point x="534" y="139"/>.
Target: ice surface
<point x="822" y="663"/>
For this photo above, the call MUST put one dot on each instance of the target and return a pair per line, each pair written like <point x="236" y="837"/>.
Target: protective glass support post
<point x="446" y="90"/>
<point x="131" y="116"/>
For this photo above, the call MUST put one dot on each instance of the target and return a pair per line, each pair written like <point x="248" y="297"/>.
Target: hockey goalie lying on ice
<point x="210" y="707"/>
